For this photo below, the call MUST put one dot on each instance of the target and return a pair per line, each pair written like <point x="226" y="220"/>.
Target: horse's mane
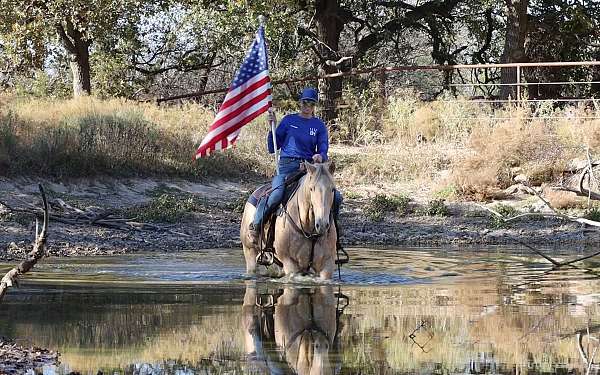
<point x="322" y="170"/>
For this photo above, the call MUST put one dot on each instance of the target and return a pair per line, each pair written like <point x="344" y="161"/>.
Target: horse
<point x="293" y="331"/>
<point x="305" y="328"/>
<point x="305" y="232"/>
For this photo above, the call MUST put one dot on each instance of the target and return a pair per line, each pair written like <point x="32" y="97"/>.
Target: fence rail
<point x="470" y="86"/>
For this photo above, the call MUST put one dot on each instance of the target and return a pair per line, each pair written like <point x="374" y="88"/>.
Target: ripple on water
<point x="367" y="267"/>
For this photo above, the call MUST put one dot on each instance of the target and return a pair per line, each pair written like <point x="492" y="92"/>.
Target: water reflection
<point x="293" y="330"/>
<point x="454" y="313"/>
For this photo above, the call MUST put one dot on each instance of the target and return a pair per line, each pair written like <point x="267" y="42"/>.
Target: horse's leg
<point x="326" y="274"/>
<point x="290" y="266"/>
<point x="250" y="251"/>
<point x="289" y="297"/>
<point x="328" y="250"/>
<point x="250" y="256"/>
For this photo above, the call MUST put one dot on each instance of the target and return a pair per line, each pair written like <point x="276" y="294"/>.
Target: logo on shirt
<point x="313" y="131"/>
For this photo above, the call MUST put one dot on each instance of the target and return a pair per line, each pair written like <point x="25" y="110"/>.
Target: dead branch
<point x="579" y="192"/>
<point x="36" y="254"/>
<point x="516" y="217"/>
<point x="556" y="263"/>
<point x="555" y="214"/>
<point x="74" y="216"/>
<point x="563" y="216"/>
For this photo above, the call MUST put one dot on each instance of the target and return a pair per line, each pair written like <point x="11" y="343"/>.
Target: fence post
<point x="519" y="84"/>
<point x="382" y="102"/>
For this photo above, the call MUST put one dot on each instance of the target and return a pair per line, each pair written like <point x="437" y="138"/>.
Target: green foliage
<point x="506" y="211"/>
<point x="593" y="213"/>
<point x="42" y="85"/>
<point x="447" y="192"/>
<point x="237" y="205"/>
<point x="382" y="204"/>
<point x="167" y="208"/>
<point x="112" y="77"/>
<point x="575" y="30"/>
<point x="436" y="207"/>
<point x="349" y="194"/>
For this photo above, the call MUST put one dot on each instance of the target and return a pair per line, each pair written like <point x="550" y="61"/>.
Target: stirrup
<point x="265" y="258"/>
<point x="265" y="300"/>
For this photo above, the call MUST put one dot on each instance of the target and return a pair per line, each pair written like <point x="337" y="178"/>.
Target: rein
<point x="313" y="237"/>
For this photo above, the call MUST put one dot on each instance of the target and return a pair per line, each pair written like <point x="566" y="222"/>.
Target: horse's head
<point x="313" y="354"/>
<point x="320" y="186"/>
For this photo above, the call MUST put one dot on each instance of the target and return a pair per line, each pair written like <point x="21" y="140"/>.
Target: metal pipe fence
<point x="535" y="84"/>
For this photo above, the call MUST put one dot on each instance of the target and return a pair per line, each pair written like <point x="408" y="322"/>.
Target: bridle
<point x="313" y="236"/>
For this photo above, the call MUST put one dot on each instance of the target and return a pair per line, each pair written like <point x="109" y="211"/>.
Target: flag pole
<point x="261" y="20"/>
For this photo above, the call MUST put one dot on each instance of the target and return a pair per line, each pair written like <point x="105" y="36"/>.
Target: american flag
<point x="248" y="97"/>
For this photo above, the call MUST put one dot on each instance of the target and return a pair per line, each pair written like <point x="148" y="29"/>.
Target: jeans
<point x="287" y="166"/>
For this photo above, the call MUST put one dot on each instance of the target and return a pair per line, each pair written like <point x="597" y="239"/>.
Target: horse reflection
<point x="292" y="331"/>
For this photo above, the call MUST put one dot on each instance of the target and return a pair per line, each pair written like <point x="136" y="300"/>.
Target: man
<point x="301" y="137"/>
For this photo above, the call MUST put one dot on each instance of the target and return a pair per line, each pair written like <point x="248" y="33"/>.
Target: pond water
<point x="396" y="311"/>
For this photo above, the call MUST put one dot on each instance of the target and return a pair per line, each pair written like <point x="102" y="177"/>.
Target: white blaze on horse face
<point x="321" y="195"/>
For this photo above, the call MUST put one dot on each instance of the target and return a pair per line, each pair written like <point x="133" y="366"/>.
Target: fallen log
<point x="32" y="258"/>
<point x="106" y="219"/>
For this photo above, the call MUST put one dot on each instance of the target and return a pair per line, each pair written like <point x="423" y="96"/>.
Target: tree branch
<point x="36" y="254"/>
<point x="67" y="42"/>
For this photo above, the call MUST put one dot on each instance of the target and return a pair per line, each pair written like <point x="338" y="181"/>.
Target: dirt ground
<point x="216" y="222"/>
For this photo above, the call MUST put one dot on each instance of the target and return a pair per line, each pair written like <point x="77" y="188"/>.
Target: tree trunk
<point x="80" y="68"/>
<point x="79" y="54"/>
<point x="514" y="44"/>
<point x="329" y="28"/>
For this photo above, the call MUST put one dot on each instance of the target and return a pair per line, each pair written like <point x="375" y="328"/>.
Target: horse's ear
<point x="331" y="166"/>
<point x="310" y="168"/>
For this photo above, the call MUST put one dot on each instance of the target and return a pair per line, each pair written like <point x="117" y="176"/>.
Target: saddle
<point x="263" y="192"/>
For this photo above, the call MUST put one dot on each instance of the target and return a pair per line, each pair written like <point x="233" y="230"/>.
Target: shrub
<point x="168" y="208"/>
<point x="88" y="137"/>
<point x="593" y="213"/>
<point x="506" y="211"/>
<point x="381" y="204"/>
<point x="436" y="207"/>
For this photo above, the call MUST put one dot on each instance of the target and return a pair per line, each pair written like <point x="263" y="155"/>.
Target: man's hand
<point x="317" y="158"/>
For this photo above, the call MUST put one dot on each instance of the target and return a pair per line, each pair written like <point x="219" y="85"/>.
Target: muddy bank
<point x="213" y="220"/>
<point x="17" y="359"/>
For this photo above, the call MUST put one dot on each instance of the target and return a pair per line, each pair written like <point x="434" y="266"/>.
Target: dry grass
<point x="469" y="148"/>
<point x="564" y="199"/>
<point x="88" y="136"/>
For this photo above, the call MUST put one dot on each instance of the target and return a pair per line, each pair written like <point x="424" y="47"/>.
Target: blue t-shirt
<point x="300" y="137"/>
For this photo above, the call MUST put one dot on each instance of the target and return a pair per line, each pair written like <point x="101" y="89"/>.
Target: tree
<point x="77" y="24"/>
<point x="514" y="44"/>
<point x="563" y="31"/>
<point x="362" y="28"/>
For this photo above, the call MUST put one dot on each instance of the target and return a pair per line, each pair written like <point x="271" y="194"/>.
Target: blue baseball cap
<point x="309" y="93"/>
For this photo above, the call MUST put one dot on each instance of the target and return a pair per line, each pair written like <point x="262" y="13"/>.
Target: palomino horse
<point x="294" y="332"/>
<point x="305" y="233"/>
